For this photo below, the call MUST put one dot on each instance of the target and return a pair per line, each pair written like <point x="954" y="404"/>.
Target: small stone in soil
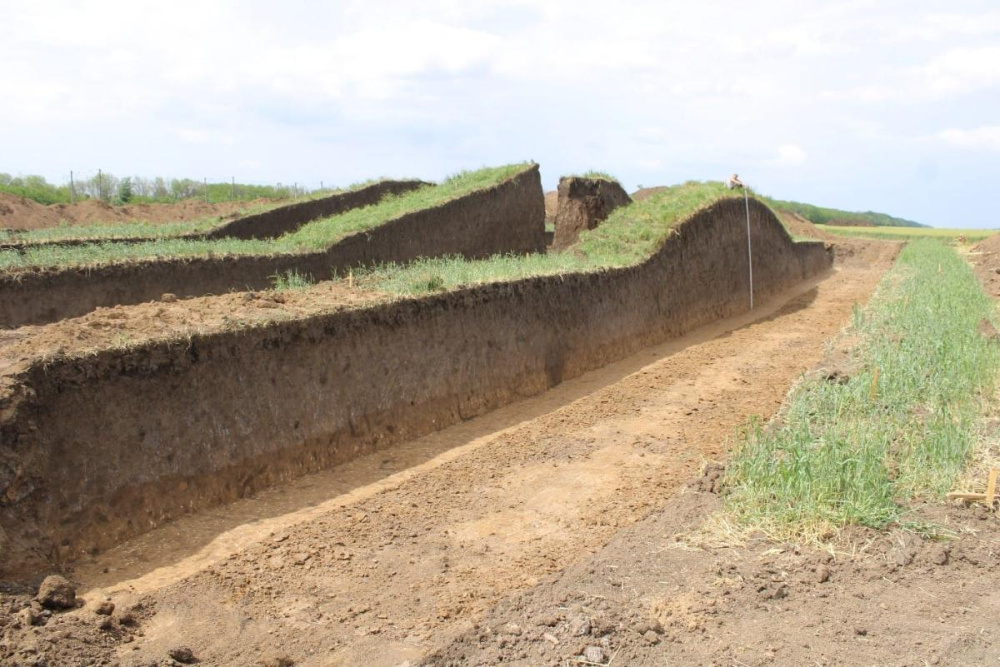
<point x="580" y="626"/>
<point x="512" y="629"/>
<point x="182" y="654"/>
<point x="105" y="608"/>
<point x="822" y="574"/>
<point x="593" y="654"/>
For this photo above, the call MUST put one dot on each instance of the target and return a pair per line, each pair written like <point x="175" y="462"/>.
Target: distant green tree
<point x="125" y="190"/>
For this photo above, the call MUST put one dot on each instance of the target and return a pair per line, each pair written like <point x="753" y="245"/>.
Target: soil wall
<point x="506" y="218"/>
<point x="583" y="204"/>
<point x="85" y="462"/>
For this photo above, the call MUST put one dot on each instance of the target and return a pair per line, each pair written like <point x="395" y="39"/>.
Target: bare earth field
<point x="21" y="213"/>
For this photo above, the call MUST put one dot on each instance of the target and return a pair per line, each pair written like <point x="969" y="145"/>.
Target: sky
<point x="885" y="105"/>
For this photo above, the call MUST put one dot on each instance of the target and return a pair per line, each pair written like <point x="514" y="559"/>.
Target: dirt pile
<point x="584" y="203"/>
<point x="22" y="213"/>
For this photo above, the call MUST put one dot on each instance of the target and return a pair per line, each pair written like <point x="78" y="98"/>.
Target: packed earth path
<point x="389" y="558"/>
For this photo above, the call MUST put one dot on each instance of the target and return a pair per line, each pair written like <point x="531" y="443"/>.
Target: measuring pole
<point x="746" y="200"/>
<point x="72" y="188"/>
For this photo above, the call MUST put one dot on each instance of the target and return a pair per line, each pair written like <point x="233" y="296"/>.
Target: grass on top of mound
<point x="902" y="425"/>
<point x="321" y="233"/>
<point x="596" y="175"/>
<point x="630" y="235"/>
<point x="315" y="235"/>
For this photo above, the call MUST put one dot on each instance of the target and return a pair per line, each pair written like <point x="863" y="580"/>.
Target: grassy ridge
<point x="316" y="235"/>
<point x="910" y="233"/>
<point x="630" y="235"/>
<point x="901" y="426"/>
<point x="136" y="229"/>
<point x="822" y="216"/>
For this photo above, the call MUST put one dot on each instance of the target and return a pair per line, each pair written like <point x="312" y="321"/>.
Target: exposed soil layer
<point x="414" y="563"/>
<point x="583" y="204"/>
<point x="551" y="207"/>
<point x="22" y="213"/>
<point x="508" y="218"/>
<point x="985" y="257"/>
<point x="84" y="462"/>
<point x="268" y="224"/>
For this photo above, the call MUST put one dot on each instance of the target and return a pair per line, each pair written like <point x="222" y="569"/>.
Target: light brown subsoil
<point x="22" y="213"/>
<point x="369" y="564"/>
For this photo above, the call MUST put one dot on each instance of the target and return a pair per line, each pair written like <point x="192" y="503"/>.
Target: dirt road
<point x="391" y="557"/>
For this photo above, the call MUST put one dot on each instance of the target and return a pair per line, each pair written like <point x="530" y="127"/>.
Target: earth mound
<point x="583" y="204"/>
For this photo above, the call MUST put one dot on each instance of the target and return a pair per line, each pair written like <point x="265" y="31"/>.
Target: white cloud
<point x="986" y="137"/>
<point x="653" y="89"/>
<point x="790" y="155"/>
<point x="954" y="72"/>
<point x="963" y="70"/>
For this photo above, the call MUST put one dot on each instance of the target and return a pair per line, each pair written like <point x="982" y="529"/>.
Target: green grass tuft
<point x="597" y="175"/>
<point x="291" y="280"/>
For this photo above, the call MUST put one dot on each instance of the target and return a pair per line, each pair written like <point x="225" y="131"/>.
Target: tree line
<point x="137" y="190"/>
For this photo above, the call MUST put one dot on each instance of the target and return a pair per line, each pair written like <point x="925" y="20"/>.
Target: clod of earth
<point x="182" y="654"/>
<point x="56" y="592"/>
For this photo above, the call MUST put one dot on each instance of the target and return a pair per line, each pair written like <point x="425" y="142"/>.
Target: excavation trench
<point x="391" y="556"/>
<point x="169" y="553"/>
<point x="86" y="464"/>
